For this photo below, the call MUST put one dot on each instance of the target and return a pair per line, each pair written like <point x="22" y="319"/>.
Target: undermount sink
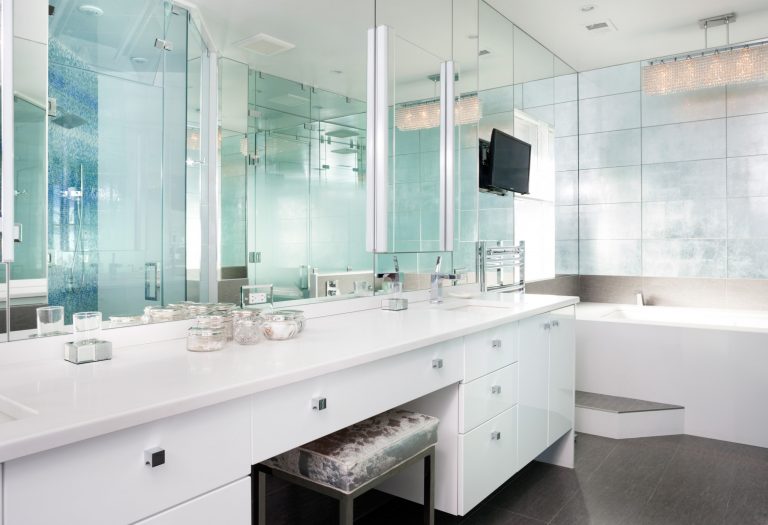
<point x="10" y="410"/>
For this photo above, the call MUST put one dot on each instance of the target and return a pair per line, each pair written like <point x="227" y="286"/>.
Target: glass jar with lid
<point x="279" y="325"/>
<point x="205" y="338"/>
<point x="246" y="328"/>
<point x="217" y="320"/>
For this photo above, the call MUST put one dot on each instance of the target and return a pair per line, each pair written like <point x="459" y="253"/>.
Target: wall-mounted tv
<point x="505" y="164"/>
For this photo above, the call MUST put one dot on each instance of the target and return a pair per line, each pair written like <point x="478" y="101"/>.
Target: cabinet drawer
<point x="230" y="505"/>
<point x="105" y="479"/>
<point x="487" y="459"/>
<point x="487" y="397"/>
<point x="489" y="350"/>
<point x="284" y="418"/>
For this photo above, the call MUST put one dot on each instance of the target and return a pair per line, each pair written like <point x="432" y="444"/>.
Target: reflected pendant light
<point x="426" y="114"/>
<point x="710" y="68"/>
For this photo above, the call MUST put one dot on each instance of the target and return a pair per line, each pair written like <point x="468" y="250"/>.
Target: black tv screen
<point x="505" y="163"/>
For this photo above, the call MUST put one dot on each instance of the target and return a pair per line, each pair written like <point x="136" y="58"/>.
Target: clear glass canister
<point x="279" y="327"/>
<point x="217" y="320"/>
<point x="295" y="315"/>
<point x="205" y="339"/>
<point x="247" y="330"/>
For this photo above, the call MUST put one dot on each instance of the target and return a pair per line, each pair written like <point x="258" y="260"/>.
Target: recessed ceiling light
<point x="90" y="10"/>
<point x="588" y="7"/>
<point x="138" y="60"/>
<point x="265" y="45"/>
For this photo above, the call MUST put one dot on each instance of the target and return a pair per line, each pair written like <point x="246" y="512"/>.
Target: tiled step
<point x="622" y="417"/>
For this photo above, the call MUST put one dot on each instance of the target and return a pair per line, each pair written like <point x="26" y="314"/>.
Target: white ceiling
<point x="645" y="28"/>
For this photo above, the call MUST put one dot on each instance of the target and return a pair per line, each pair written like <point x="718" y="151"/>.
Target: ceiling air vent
<point x="266" y="45"/>
<point x="604" y="26"/>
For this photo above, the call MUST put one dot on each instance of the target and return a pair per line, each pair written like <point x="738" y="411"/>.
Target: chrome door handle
<point x="319" y="403"/>
<point x="547" y="326"/>
<point x="496" y="389"/>
<point x="437" y="363"/>
<point x="496" y="435"/>
<point x="496" y="343"/>
<point x="154" y="457"/>
<point x="555" y="323"/>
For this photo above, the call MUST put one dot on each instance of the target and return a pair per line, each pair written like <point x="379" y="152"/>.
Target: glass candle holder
<point x="87" y="326"/>
<point x="247" y="331"/>
<point x="50" y="320"/>
<point x="205" y="339"/>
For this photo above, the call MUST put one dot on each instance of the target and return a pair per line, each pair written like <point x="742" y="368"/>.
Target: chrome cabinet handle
<point x="496" y="343"/>
<point x="319" y="403"/>
<point x="437" y="363"/>
<point x="154" y="457"/>
<point x="555" y="323"/>
<point x="547" y="326"/>
<point x="496" y="389"/>
<point x="495" y="435"/>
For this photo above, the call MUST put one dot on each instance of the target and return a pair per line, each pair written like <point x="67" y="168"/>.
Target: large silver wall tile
<point x="684" y="258"/>
<point x="700" y="219"/>
<point x="701" y="104"/>
<point x="543" y="113"/>
<point x="607" y="185"/>
<point x="608" y="150"/>
<point x="609" y="80"/>
<point x="608" y="257"/>
<point x="748" y="176"/>
<point x="689" y="141"/>
<point x="566" y="223"/>
<point x="610" y="221"/>
<point x="566" y="187"/>
<point x="745" y="99"/>
<point x="497" y="100"/>
<point x="748" y="135"/>
<point x="566" y="119"/>
<point x="748" y="218"/>
<point x="539" y="93"/>
<point x="609" y="113"/>
<point x="746" y="258"/>
<point x="695" y="179"/>
<point x="566" y="88"/>
<point x="566" y="153"/>
<point x="567" y="257"/>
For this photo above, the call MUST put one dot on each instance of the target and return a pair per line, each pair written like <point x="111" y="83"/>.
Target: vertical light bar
<point x="6" y="106"/>
<point x="370" y="150"/>
<point x="377" y="132"/>
<point x="447" y="109"/>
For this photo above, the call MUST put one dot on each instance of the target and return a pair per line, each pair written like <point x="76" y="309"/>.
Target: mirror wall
<point x="112" y="184"/>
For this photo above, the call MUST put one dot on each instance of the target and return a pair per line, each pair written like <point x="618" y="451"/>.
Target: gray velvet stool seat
<point x="356" y="459"/>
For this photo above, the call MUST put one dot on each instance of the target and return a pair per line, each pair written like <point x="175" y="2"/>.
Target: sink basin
<point x="10" y="410"/>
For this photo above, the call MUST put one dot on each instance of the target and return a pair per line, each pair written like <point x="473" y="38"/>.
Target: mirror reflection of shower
<point x="75" y="219"/>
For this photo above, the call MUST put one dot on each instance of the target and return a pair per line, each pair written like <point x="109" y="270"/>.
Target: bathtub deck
<point x="618" y="405"/>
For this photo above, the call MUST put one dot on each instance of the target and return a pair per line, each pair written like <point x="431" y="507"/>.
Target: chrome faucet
<point x="435" y="289"/>
<point x="395" y="276"/>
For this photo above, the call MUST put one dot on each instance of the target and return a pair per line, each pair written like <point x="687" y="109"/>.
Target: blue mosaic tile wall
<point x="72" y="207"/>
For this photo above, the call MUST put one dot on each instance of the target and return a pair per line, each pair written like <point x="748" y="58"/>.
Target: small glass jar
<point x="247" y="330"/>
<point x="279" y="327"/>
<point x="295" y="315"/>
<point x="159" y="314"/>
<point x="205" y="339"/>
<point x="217" y="320"/>
<point x="193" y="310"/>
<point x="124" y="320"/>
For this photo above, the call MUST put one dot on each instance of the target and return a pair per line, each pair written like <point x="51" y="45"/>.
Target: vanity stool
<point x="354" y="460"/>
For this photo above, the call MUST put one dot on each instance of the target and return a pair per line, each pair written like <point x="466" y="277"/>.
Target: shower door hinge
<point x="52" y="110"/>
<point x="165" y="45"/>
<point x="151" y="281"/>
<point x="254" y="257"/>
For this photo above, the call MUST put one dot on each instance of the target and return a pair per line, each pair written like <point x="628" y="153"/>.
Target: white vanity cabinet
<point x="547" y="381"/>
<point x="106" y="479"/>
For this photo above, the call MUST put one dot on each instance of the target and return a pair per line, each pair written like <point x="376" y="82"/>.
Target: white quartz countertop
<point x="146" y="382"/>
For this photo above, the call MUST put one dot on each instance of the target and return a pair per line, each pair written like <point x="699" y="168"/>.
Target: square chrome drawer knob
<point x="154" y="457"/>
<point x="496" y="343"/>
<point x="437" y="363"/>
<point x="496" y="389"/>
<point x="319" y="403"/>
<point x="496" y="435"/>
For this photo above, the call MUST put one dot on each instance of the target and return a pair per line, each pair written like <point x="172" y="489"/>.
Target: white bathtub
<point x="694" y="317"/>
<point x="713" y="362"/>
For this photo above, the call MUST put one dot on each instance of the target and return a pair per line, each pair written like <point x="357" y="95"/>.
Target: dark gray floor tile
<point x="491" y="515"/>
<point x="748" y="503"/>
<point x="402" y="512"/>
<point x="591" y="451"/>
<point x="694" y="489"/>
<point x="538" y="491"/>
<point x="599" y="507"/>
<point x="724" y="448"/>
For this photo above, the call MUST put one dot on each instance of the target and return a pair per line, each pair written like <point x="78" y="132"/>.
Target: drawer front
<point x="489" y="350"/>
<point x="105" y="479"/>
<point x="486" y="397"/>
<point x="284" y="418"/>
<point x="487" y="459"/>
<point x="230" y="505"/>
